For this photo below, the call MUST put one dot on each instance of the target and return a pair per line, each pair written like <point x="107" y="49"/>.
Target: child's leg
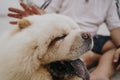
<point x="89" y="58"/>
<point x="105" y="67"/>
<point x="94" y="55"/>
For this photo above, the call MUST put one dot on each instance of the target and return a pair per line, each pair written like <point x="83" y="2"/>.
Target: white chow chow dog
<point x="37" y="41"/>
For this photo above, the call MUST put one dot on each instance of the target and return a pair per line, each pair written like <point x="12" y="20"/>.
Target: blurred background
<point x="4" y="19"/>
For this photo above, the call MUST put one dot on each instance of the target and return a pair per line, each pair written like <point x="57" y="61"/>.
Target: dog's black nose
<point x="86" y="36"/>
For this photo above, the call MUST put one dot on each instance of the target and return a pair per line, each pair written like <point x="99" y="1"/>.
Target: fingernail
<point x="115" y="60"/>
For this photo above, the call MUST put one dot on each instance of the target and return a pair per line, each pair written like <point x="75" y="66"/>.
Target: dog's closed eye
<point x="52" y="43"/>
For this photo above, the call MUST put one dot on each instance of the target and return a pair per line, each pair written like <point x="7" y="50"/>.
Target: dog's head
<point x="53" y="37"/>
<point x="39" y="41"/>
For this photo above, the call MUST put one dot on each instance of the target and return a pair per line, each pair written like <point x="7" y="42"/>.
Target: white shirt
<point x="88" y="15"/>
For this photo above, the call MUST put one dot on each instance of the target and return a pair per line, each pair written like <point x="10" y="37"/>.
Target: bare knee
<point x="108" y="46"/>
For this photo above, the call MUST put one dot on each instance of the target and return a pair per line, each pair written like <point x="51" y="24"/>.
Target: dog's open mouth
<point x="60" y="70"/>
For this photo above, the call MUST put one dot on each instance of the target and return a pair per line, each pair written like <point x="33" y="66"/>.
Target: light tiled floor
<point x="4" y="26"/>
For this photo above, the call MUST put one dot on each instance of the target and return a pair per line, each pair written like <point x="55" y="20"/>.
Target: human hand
<point x="116" y="58"/>
<point x="27" y="10"/>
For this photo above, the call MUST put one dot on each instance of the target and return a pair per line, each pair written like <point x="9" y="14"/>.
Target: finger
<point x="13" y="22"/>
<point x="15" y="15"/>
<point x="116" y="58"/>
<point x="15" y="10"/>
<point x="35" y="9"/>
<point x="25" y="7"/>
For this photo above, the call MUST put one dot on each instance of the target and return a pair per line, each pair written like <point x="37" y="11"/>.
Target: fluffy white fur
<point x="24" y="51"/>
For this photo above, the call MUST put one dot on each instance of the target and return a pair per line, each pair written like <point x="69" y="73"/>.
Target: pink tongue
<point x="80" y="69"/>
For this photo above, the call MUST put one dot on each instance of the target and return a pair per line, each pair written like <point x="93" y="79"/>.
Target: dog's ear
<point x="23" y="23"/>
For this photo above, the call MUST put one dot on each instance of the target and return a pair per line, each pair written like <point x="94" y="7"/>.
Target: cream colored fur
<point x="24" y="51"/>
